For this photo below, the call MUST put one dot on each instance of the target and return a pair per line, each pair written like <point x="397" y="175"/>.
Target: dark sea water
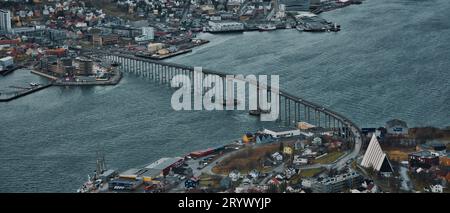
<point x="391" y="60"/>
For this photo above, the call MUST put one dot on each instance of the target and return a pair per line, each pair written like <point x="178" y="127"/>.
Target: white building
<point x="317" y="141"/>
<point x="396" y="127"/>
<point x="219" y="26"/>
<point x="148" y="34"/>
<point x="437" y="188"/>
<point x="282" y="133"/>
<point x="6" y="61"/>
<point x="299" y="160"/>
<point x="375" y="158"/>
<point x="309" y="152"/>
<point x="307" y="183"/>
<point x="277" y="156"/>
<point x="5" y="20"/>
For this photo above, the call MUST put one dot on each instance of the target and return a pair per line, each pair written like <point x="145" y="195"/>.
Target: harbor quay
<point x="78" y="71"/>
<point x="34" y="87"/>
<point x="284" y="154"/>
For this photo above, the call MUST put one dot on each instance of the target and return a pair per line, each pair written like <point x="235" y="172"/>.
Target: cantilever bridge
<point x="292" y="109"/>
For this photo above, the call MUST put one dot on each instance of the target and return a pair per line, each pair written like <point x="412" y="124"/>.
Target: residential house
<point x="396" y="127"/>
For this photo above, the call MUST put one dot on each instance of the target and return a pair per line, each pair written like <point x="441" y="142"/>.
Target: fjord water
<point x="391" y="60"/>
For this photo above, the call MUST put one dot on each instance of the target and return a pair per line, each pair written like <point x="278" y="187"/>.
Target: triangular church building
<point x="376" y="158"/>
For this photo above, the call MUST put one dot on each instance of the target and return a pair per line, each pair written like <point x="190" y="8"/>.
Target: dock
<point x="113" y="81"/>
<point x="161" y="57"/>
<point x="25" y="92"/>
<point x="58" y="82"/>
<point x="44" y="75"/>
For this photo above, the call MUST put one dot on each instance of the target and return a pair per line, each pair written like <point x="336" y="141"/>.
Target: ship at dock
<point x="224" y="27"/>
<point x="99" y="179"/>
<point x="266" y="27"/>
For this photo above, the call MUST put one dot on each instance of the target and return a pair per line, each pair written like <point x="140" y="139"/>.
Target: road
<point x="339" y="164"/>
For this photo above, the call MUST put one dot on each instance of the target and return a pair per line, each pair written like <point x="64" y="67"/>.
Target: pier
<point x="292" y="109"/>
<point x="51" y="77"/>
<point x="25" y="92"/>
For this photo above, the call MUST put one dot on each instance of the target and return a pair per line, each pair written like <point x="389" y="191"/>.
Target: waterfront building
<point x="375" y="158"/>
<point x="5" y="21"/>
<point x="165" y="165"/>
<point x="56" y="68"/>
<point x="84" y="66"/>
<point x="282" y="132"/>
<point x="263" y="138"/>
<point x="153" y="47"/>
<point x="396" y="127"/>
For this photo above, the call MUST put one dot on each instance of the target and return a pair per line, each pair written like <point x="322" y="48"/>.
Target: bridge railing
<point x="162" y="69"/>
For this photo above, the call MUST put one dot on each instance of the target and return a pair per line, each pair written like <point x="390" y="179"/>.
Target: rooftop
<point x="338" y="178"/>
<point x="423" y="154"/>
<point x="163" y="163"/>
<point x="396" y="122"/>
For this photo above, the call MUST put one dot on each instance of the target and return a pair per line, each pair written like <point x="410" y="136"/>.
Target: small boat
<point x="300" y="28"/>
<point x="335" y="28"/>
<point x="266" y="27"/>
<point x="313" y="29"/>
<point x="33" y="84"/>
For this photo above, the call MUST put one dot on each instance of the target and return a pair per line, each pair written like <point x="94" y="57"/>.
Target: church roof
<point x="375" y="157"/>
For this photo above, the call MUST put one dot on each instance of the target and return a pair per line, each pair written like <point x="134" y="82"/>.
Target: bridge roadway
<point x="354" y="130"/>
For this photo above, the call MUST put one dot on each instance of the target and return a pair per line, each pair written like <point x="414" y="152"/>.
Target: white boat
<point x="267" y="27"/>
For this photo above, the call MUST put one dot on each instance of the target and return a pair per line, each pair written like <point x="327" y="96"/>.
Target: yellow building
<point x="153" y="47"/>
<point x="163" y="52"/>
<point x="287" y="150"/>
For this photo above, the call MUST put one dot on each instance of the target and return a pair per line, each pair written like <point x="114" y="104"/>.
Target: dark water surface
<point x="391" y="60"/>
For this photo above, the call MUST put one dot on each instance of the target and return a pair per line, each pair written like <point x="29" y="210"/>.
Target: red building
<point x="424" y="159"/>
